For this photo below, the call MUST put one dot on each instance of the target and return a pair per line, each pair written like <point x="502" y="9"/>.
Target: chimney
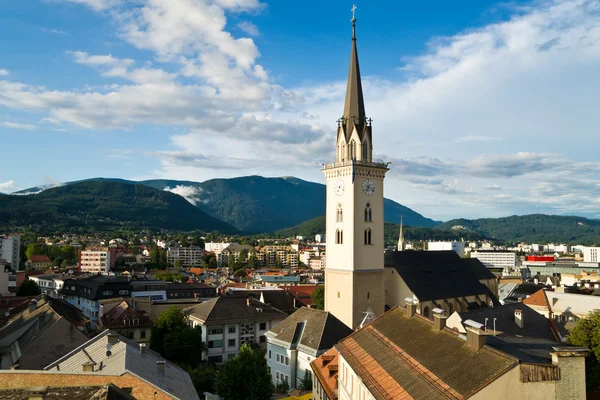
<point x="112" y="338"/>
<point x="519" y="318"/>
<point x="32" y="305"/>
<point x="88" y="366"/>
<point x="439" y="319"/>
<point x="248" y="301"/>
<point x="476" y="337"/>
<point x="160" y="364"/>
<point x="142" y="348"/>
<point x="411" y="308"/>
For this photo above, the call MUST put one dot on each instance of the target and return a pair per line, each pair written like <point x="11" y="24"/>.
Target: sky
<point x="486" y="109"/>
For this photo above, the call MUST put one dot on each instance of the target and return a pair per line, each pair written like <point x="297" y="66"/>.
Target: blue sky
<point x="486" y="108"/>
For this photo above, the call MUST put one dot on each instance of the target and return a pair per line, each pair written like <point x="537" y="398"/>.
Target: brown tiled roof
<point x="539" y="298"/>
<point x="115" y="318"/>
<point x="41" y="258"/>
<point x="326" y="371"/>
<point x="400" y="357"/>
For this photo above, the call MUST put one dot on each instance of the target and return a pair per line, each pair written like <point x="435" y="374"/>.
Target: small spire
<point x="401" y="237"/>
<point x="354" y="106"/>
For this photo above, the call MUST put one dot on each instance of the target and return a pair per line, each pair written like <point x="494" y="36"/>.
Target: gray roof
<point x="125" y="356"/>
<point x="310" y="330"/>
<point x="229" y="309"/>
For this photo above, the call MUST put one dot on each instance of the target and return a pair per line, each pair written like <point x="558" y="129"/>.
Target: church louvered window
<point x="353" y="150"/>
<point x="339" y="236"/>
<point x="340" y="214"/>
<point x="368" y="213"/>
<point x="365" y="151"/>
<point x="368" y="236"/>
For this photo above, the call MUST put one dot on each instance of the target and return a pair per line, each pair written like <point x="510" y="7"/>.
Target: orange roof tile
<point x="539" y="298"/>
<point x="326" y="371"/>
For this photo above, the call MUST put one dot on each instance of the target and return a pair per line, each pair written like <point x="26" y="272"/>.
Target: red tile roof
<point x="326" y="371"/>
<point x="539" y="298"/>
<point x="40" y="259"/>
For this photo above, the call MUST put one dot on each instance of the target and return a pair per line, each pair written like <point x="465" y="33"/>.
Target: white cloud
<point x="3" y="72"/>
<point x="54" y="31"/>
<point x="190" y="193"/>
<point x="16" y="125"/>
<point x="8" y="186"/>
<point x="249" y="28"/>
<point x="97" y="5"/>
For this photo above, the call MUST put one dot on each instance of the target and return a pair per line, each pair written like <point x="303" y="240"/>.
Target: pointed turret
<point x="401" y="237"/>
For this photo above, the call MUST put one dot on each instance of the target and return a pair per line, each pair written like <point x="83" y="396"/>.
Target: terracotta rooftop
<point x="399" y="357"/>
<point x="539" y="298"/>
<point x="326" y="370"/>
<point x="40" y="258"/>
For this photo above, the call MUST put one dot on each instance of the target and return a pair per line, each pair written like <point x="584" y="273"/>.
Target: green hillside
<point x="255" y="204"/>
<point x="535" y="228"/>
<point x="104" y="205"/>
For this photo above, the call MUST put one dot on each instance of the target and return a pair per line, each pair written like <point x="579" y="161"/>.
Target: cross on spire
<point x="353" y="9"/>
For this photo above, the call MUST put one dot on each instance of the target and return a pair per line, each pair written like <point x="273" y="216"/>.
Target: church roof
<point x="437" y="275"/>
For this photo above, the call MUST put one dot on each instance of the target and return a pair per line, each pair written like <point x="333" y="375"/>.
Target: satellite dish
<point x="6" y="314"/>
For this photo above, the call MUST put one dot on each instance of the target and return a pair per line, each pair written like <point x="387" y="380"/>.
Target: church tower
<point x="354" y="280"/>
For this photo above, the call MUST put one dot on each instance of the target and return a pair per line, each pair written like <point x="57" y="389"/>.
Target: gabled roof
<point x="281" y="300"/>
<point x="396" y="357"/>
<point x="116" y="318"/>
<point x="230" y="309"/>
<point x="326" y="371"/>
<point x="538" y="299"/>
<point x="436" y="275"/>
<point x="310" y="330"/>
<point x="125" y="356"/>
<point x="40" y="258"/>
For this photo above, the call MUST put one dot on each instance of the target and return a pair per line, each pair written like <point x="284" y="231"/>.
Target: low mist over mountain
<point x="255" y="204"/>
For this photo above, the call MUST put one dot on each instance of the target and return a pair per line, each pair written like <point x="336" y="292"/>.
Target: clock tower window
<point x="339" y="236"/>
<point x="368" y="213"/>
<point x="368" y="236"/>
<point x="340" y="214"/>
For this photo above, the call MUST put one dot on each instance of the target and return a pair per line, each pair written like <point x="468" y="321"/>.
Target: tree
<point x="318" y="298"/>
<point x="178" y="264"/>
<point x="245" y="377"/>
<point x="29" y="288"/>
<point x="240" y="273"/>
<point x="306" y="383"/>
<point x="155" y="256"/>
<point x="586" y="333"/>
<point x="203" y="377"/>
<point x="282" y="387"/>
<point x="175" y="340"/>
<point x="34" y="249"/>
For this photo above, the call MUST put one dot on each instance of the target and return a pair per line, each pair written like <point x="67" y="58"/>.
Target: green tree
<point x="252" y="260"/>
<point x="231" y="262"/>
<point x="318" y="298"/>
<point x="240" y="273"/>
<point x="245" y="377"/>
<point x="282" y="387"/>
<point x="29" y="288"/>
<point x="306" y="383"/>
<point x="175" y="340"/>
<point x="178" y="264"/>
<point x="35" y="249"/>
<point x="155" y="256"/>
<point x="203" y="377"/>
<point x="586" y="333"/>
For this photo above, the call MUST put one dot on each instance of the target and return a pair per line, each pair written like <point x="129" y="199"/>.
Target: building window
<point x="365" y="151"/>
<point x="426" y="312"/>
<point x="215" y="331"/>
<point x="213" y="344"/>
<point x="231" y="343"/>
<point x="142" y="334"/>
<point x="368" y="213"/>
<point x="287" y="361"/>
<point x="262" y="339"/>
<point x="263" y="326"/>
<point x="215" y="359"/>
<point x="368" y="236"/>
<point x="232" y="329"/>
<point x="353" y="150"/>
<point x="339" y="214"/>
<point x="269" y="354"/>
<point x="338" y="293"/>
<point x="368" y="295"/>
<point x="339" y="236"/>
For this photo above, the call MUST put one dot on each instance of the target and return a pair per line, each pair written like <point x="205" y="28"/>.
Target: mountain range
<point x="255" y="204"/>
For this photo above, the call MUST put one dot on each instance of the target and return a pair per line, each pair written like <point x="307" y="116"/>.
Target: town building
<point x="154" y="290"/>
<point x="189" y="256"/>
<point x="438" y="279"/>
<point x="189" y="291"/>
<point x="234" y="252"/>
<point x="86" y="292"/>
<point x="10" y="250"/>
<point x="97" y="260"/>
<point x="317" y="263"/>
<point x="591" y="254"/>
<point x="5" y="273"/>
<point x="564" y="308"/>
<point x="49" y="284"/>
<point x="278" y="257"/>
<point x="298" y="340"/>
<point x="319" y="238"/>
<point x="496" y="258"/>
<point x="458" y="247"/>
<point x="129" y="322"/>
<point x="111" y="358"/>
<point x="38" y="263"/>
<point x="403" y="355"/>
<point x="230" y="321"/>
<point x="277" y="280"/>
<point x="39" y="331"/>
<point x="215" y="247"/>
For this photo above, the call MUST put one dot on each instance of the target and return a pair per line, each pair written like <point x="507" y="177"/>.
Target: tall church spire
<point x="354" y="108"/>
<point x="401" y="237"/>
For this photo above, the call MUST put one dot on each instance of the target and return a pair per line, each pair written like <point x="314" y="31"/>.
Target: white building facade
<point x="496" y="259"/>
<point x="10" y="250"/>
<point x="189" y="256"/>
<point x="95" y="261"/>
<point x="457" y="247"/>
<point x="591" y="254"/>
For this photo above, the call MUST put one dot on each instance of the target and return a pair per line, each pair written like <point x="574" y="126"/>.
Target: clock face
<point x="339" y="187"/>
<point x="368" y="187"/>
